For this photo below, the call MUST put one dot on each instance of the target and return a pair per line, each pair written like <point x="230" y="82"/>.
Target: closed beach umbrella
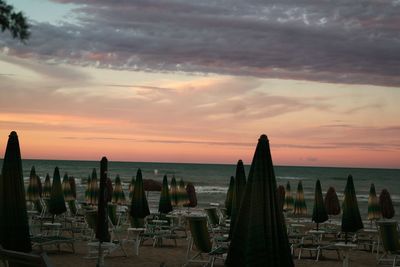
<point x="332" y="204"/>
<point x="374" y="210"/>
<point x="351" y="218"/>
<point x="94" y="188"/>
<point x="102" y="233"/>
<point x="14" y="228"/>
<point x="32" y="192"/>
<point x="109" y="190"/>
<point x="259" y="237"/>
<point x="300" y="207"/>
<point x="72" y="184"/>
<point x="131" y="187"/>
<point x="164" y="205"/>
<point x="281" y="196"/>
<point x="385" y="201"/>
<point x="66" y="188"/>
<point x="228" y="199"/>
<point x="118" y="193"/>
<point x="57" y="201"/>
<point x="191" y="191"/>
<point x="88" y="189"/>
<point x="238" y="191"/>
<point x="289" y="201"/>
<point x="183" y="198"/>
<point x="173" y="192"/>
<point x="319" y="214"/>
<point x="139" y="205"/>
<point x="47" y="187"/>
<point x="40" y="187"/>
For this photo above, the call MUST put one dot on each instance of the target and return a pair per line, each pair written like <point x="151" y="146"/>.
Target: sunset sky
<point x="199" y="81"/>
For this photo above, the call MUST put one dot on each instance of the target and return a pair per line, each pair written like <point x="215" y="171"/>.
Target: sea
<point x="211" y="181"/>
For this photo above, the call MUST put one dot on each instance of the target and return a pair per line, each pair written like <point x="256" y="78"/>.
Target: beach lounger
<point x="205" y="245"/>
<point x="51" y="236"/>
<point x="389" y="234"/>
<point x="16" y="258"/>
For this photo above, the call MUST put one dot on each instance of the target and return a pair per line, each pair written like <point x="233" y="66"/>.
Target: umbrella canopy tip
<point x="13" y="134"/>
<point x="263" y="137"/>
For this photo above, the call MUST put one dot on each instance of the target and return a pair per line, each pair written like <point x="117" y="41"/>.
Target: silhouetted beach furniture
<point x="390" y="238"/>
<point x="21" y="259"/>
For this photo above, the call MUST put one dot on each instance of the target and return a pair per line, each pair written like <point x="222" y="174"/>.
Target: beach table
<point x="346" y="248"/>
<point x="318" y="234"/>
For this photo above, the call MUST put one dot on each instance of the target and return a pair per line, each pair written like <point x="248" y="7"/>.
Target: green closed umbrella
<point x="139" y="206"/>
<point x="238" y="191"/>
<point x="173" y="192"/>
<point x="73" y="186"/>
<point x="289" y="201"/>
<point x="47" y="187"/>
<point x="14" y="227"/>
<point x="118" y="196"/>
<point x="57" y="201"/>
<point x="228" y="199"/>
<point x="385" y="201"/>
<point x="300" y="208"/>
<point x="88" y="189"/>
<point x="374" y="210"/>
<point x="259" y="237"/>
<point x="351" y="218"/>
<point x="164" y="205"/>
<point x="66" y="188"/>
<point x="331" y="201"/>
<point x="131" y="187"/>
<point x="102" y="233"/>
<point x="94" y="188"/>
<point x="281" y="196"/>
<point x="319" y="214"/>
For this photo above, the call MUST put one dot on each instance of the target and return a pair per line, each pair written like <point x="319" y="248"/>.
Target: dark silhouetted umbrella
<point x="351" y="218"/>
<point x="385" y="201"/>
<point x="110" y="190"/>
<point x="228" y="199"/>
<point x="332" y="204"/>
<point x="164" y="205"/>
<point x="118" y="193"/>
<point x="72" y="184"/>
<point x="183" y="198"/>
<point x="191" y="191"/>
<point x="131" y="187"/>
<point x="57" y="201"/>
<point x="14" y="227"/>
<point x="32" y="192"/>
<point x="102" y="233"/>
<point x="173" y="192"/>
<point x="281" y="196"/>
<point x="94" y="188"/>
<point x="319" y="214"/>
<point x="66" y="188"/>
<point x="139" y="206"/>
<point x="260" y="237"/>
<point x="289" y="201"/>
<point x="238" y="191"/>
<point x="300" y="208"/>
<point x="374" y="210"/>
<point x="47" y="187"/>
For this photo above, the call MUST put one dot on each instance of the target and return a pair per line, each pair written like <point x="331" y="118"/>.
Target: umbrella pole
<point x="345" y="237"/>
<point x="100" y="262"/>
<point x="317" y="226"/>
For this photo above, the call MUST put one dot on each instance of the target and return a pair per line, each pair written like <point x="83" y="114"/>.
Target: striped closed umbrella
<point x="351" y="218"/>
<point x="47" y="187"/>
<point x="281" y="196"/>
<point x="131" y="187"/>
<point x="57" y="201"/>
<point x="173" y="192"/>
<point x="300" y="207"/>
<point x="289" y="201"/>
<point x="139" y="205"/>
<point x="385" y="201"/>
<point x="118" y="193"/>
<point x="88" y="189"/>
<point x="374" y="210"/>
<point x="32" y="192"/>
<point x="259" y="237"/>
<point x="332" y="204"/>
<point x="14" y="227"/>
<point x="319" y="214"/>
<point x="183" y="198"/>
<point x="164" y="205"/>
<point x="66" y="188"/>
<point x="228" y="199"/>
<point x="72" y="184"/>
<point x="191" y="191"/>
<point x="94" y="188"/>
